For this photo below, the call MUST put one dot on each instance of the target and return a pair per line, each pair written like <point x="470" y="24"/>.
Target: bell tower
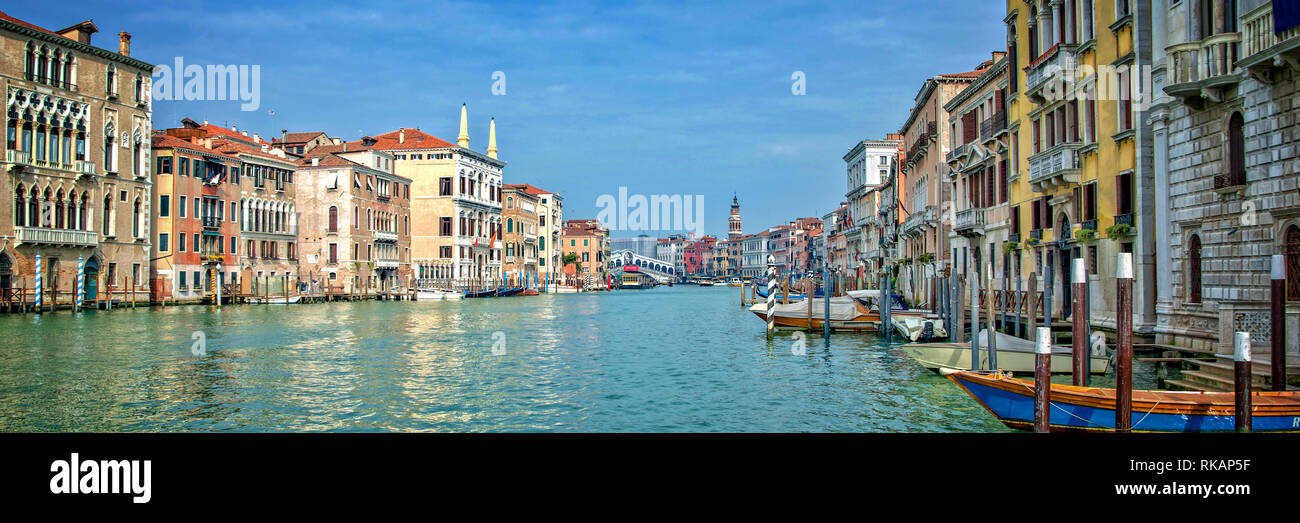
<point x="733" y="222"/>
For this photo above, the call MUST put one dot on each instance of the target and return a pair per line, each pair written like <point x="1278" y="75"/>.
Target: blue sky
<point x="663" y="98"/>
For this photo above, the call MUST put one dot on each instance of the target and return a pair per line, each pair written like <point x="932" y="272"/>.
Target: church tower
<point x="733" y="222"/>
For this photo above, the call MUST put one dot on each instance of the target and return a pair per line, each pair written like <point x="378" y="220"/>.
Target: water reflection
<point x="679" y="359"/>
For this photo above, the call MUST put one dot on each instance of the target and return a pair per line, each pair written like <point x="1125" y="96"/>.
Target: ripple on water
<point x="668" y="359"/>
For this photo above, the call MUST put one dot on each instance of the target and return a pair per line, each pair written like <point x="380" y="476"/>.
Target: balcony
<point x="922" y="143"/>
<point x="992" y="127"/>
<point x="1014" y="237"/>
<point x="1054" y="167"/>
<point x="1052" y="65"/>
<point x="1264" y="52"/>
<point x="957" y="153"/>
<point x="386" y="263"/>
<point x="1198" y="69"/>
<point x="970" y="222"/>
<point x="913" y="225"/>
<point x="1126" y="219"/>
<point x="212" y="257"/>
<point x="384" y="236"/>
<point x="18" y="157"/>
<point x="85" y="167"/>
<point x="1036" y="234"/>
<point x="64" y="237"/>
<point x="211" y="223"/>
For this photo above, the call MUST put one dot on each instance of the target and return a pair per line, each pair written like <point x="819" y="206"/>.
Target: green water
<point x="680" y="359"/>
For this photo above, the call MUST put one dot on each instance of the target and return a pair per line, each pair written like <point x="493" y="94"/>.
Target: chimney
<point x="345" y="147"/>
<point x="315" y="161"/>
<point x="234" y="128"/>
<point x="257" y="138"/>
<point x="401" y="135"/>
<point x="284" y="137"/>
<point x="124" y="43"/>
<point x="335" y="141"/>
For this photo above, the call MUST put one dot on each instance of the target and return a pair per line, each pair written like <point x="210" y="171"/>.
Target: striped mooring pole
<point x="39" y="289"/>
<point x="771" y="295"/>
<point x="81" y="282"/>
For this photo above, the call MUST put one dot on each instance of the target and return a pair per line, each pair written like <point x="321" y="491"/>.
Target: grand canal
<point x="681" y="359"/>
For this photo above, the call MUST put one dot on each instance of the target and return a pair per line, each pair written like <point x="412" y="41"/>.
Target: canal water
<point x="679" y="359"/>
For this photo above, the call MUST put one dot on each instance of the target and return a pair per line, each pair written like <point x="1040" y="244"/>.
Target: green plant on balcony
<point x="925" y="258"/>
<point x="1085" y="235"/>
<point x="1120" y="230"/>
<point x="904" y="261"/>
<point x="1033" y="242"/>
<point x="1010" y="247"/>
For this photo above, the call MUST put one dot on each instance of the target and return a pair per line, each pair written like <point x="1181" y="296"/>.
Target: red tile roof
<point x="415" y="139"/>
<point x="299" y="137"/>
<point x="28" y="25"/>
<point x="529" y="189"/>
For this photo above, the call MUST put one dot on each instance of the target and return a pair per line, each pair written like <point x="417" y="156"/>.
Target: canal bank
<point x="681" y="359"/>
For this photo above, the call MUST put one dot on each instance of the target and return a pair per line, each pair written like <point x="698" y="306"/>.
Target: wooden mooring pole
<point x="1078" y="279"/>
<point x="991" y="324"/>
<point x="771" y="296"/>
<point x="1031" y="304"/>
<point x="1278" y="336"/>
<point x="1124" y="349"/>
<point x="1241" y="380"/>
<point x="826" y="300"/>
<point x="1042" y="380"/>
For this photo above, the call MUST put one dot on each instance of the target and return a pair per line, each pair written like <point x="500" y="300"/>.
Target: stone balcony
<point x="384" y="236"/>
<point x="80" y="167"/>
<point x="1052" y="65"/>
<point x="969" y="222"/>
<point x="913" y="225"/>
<point x="1198" y="69"/>
<point x="1263" y="51"/>
<point x="386" y="263"/>
<point x="57" y="237"/>
<point x="1054" y="167"/>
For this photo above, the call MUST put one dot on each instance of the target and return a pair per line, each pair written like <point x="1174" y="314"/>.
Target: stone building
<point x="521" y="217"/>
<point x="921" y="185"/>
<point x="980" y="219"/>
<point x="354" y="230"/>
<point x="77" y="165"/>
<point x="197" y="240"/>
<point x="1226" y="170"/>
<point x="868" y="164"/>
<point x="589" y="241"/>
<point x="456" y="201"/>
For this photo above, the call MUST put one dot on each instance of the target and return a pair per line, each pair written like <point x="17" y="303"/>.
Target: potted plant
<point x="1033" y="242"/>
<point x="925" y="258"/>
<point x="1085" y="235"/>
<point x="1120" y="230"/>
<point x="1010" y="247"/>
<point x="904" y="261"/>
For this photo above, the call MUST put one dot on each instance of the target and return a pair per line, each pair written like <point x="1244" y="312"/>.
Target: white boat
<point x="280" y="300"/>
<point x="706" y="283"/>
<point x="914" y="327"/>
<point x="437" y="295"/>
<point x="1014" y="355"/>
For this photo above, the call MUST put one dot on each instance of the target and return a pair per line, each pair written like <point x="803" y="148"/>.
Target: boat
<point x="436" y="295"/>
<point x="485" y="293"/>
<point x="1014" y="355"/>
<point x="274" y="300"/>
<point x="762" y="293"/>
<point x="918" y="328"/>
<point x="530" y="292"/>
<point x="1075" y="408"/>
<point x="509" y="292"/>
<point x="734" y="282"/>
<point x="847" y="314"/>
<point x="706" y="283"/>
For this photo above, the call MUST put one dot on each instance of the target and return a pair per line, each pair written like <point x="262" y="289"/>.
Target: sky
<point x="674" y="98"/>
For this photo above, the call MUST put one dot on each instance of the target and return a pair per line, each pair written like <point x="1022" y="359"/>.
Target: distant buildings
<point x="589" y="242"/>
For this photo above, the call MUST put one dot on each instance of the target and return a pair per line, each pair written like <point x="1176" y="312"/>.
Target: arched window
<point x="108" y="214"/>
<point x="31" y="61"/>
<point x="59" y="211"/>
<point x="1194" y="269"/>
<point x="334" y="219"/>
<point x="1236" y="151"/>
<point x="135" y="220"/>
<point x="33" y="209"/>
<point x="6" y="271"/>
<point x="510" y="225"/>
<point x="47" y="209"/>
<point x="20" y="207"/>
<point x="81" y="212"/>
<point x="1292" y="263"/>
<point x="110" y="84"/>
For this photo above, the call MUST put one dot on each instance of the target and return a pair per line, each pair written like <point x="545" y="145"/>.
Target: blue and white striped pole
<point x="81" y="281"/>
<point x="39" y="289"/>
<point x="771" y="296"/>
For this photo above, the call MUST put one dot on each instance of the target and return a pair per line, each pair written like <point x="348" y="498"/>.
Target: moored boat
<point x="847" y="314"/>
<point x="509" y="292"/>
<point x="706" y="283"/>
<point x="436" y="295"/>
<point x="1011" y="401"/>
<point x="1014" y="355"/>
<point x="485" y="293"/>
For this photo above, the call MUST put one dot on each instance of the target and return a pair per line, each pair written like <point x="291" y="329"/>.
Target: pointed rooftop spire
<point x="463" y="139"/>
<point x="492" y="138"/>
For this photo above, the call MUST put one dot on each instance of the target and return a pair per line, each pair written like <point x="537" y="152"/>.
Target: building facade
<point x="77" y="161"/>
<point x="521" y="217"/>
<point x="1226" y="165"/>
